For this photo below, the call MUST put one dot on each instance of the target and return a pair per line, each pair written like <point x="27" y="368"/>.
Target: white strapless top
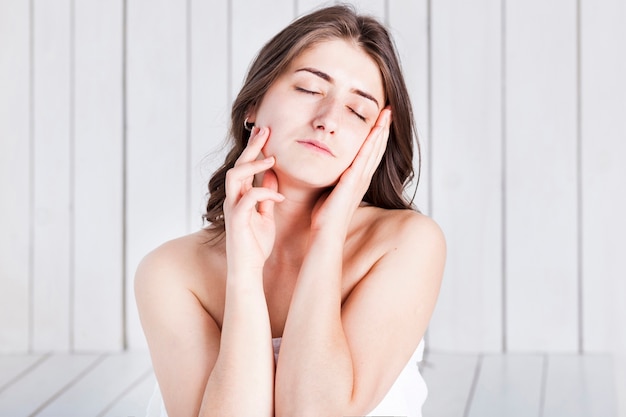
<point x="405" y="397"/>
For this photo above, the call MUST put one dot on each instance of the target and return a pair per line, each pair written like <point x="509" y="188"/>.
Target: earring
<point x="247" y="126"/>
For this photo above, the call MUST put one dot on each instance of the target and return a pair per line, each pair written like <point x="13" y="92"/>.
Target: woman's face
<point x="320" y="111"/>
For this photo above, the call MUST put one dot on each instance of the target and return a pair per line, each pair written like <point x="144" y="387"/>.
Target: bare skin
<point x="349" y="288"/>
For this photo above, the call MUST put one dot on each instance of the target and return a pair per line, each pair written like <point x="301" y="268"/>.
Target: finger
<point x="239" y="178"/>
<point x="384" y="118"/>
<point x="380" y="129"/>
<point x="380" y="140"/>
<point x="257" y="140"/>
<point x="243" y="175"/>
<point x="270" y="181"/>
<point x="379" y="148"/>
<point x="256" y="196"/>
<point x="373" y="148"/>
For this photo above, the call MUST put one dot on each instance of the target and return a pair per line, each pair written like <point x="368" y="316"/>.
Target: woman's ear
<point x="251" y="114"/>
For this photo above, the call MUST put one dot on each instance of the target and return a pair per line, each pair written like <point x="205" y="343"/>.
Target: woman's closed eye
<point x="360" y="116"/>
<point x="314" y="93"/>
<point x="304" y="90"/>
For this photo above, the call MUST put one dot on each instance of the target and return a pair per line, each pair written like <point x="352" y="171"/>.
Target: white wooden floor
<point x="62" y="385"/>
<point x="520" y="385"/>
<point x="119" y="385"/>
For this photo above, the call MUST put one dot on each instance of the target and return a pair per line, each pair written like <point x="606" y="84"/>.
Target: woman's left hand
<point x="334" y="210"/>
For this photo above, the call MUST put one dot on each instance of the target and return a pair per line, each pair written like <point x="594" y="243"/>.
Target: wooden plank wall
<point x="113" y="115"/>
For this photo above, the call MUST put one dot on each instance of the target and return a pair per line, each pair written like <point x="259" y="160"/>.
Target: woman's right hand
<point x="249" y="210"/>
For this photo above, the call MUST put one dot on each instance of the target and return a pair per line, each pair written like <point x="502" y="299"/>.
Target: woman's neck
<point x="292" y="217"/>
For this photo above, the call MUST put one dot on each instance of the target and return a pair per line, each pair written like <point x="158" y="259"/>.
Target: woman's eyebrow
<point x="331" y="80"/>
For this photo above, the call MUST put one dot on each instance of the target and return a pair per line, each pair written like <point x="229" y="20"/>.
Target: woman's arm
<point x="242" y="381"/>
<point x="183" y="338"/>
<point x="341" y="360"/>
<point x="204" y="370"/>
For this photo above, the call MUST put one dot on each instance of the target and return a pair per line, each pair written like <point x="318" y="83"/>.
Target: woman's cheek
<point x="266" y="150"/>
<point x="344" y="166"/>
<point x="354" y="151"/>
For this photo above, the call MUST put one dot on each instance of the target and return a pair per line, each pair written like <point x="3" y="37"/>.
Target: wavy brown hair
<point x="395" y="171"/>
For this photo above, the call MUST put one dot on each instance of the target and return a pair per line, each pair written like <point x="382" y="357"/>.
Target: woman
<point x="311" y="288"/>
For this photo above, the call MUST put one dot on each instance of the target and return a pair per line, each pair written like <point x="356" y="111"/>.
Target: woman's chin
<point x="303" y="177"/>
<point x="315" y="184"/>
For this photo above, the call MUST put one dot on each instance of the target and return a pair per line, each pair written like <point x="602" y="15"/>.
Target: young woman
<point x="310" y="290"/>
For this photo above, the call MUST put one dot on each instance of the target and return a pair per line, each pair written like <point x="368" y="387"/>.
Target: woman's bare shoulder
<point x="181" y="259"/>
<point x="402" y="227"/>
<point x="399" y="237"/>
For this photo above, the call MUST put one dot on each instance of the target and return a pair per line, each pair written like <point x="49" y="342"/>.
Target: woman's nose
<point x="328" y="116"/>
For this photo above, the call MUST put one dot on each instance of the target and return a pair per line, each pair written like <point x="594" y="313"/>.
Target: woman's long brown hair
<point x="395" y="171"/>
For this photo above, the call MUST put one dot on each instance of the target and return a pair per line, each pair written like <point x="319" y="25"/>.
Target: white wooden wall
<point x="112" y="115"/>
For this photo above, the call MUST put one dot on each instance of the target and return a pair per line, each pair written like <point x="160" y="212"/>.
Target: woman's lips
<point x="316" y="146"/>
